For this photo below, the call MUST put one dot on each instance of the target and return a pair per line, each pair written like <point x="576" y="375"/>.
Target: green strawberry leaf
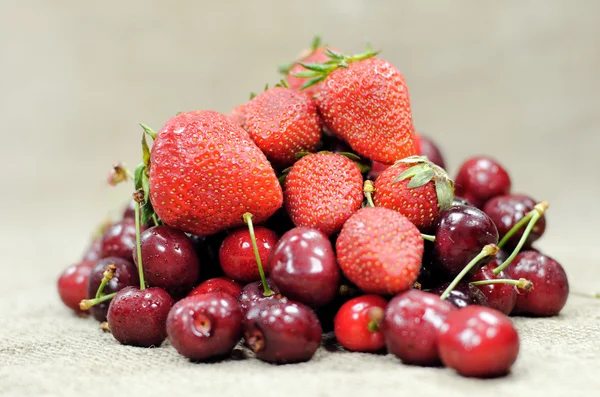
<point x="351" y="156"/>
<point x="316" y="43"/>
<point x="332" y="54"/>
<point x="444" y="189"/>
<point x="412" y="171"/>
<point x="145" y="153"/>
<point x="252" y="95"/>
<point x="364" y="168"/>
<point x="307" y="74"/>
<point x="312" y="82"/>
<point x="298" y="156"/>
<point x="140" y="170"/>
<point x="147" y="212"/>
<point x="421" y="179"/>
<point x="148" y="130"/>
<point x="285" y="68"/>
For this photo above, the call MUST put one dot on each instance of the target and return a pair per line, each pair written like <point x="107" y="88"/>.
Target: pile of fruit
<point x="314" y="208"/>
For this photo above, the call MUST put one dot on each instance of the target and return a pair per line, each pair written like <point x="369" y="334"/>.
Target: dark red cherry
<point x="236" y="254"/>
<point x="357" y="323"/>
<point x="72" y="284"/>
<point x="205" y="326"/>
<point x="138" y="317"/>
<point x="430" y="150"/>
<point x="410" y="326"/>
<point x="93" y="251"/>
<point x="170" y="261"/>
<point x="480" y="179"/>
<point x="507" y="210"/>
<point x="501" y="297"/>
<point x="461" y="234"/>
<point x="282" y="331"/>
<point x="478" y="341"/>
<point x="254" y="293"/>
<point x="550" y="284"/>
<point x="207" y="251"/>
<point x="463" y="295"/>
<point x="126" y="274"/>
<point x="218" y="284"/>
<point x="304" y="268"/>
<point x="119" y="239"/>
<point x="129" y="210"/>
<point x="460" y="201"/>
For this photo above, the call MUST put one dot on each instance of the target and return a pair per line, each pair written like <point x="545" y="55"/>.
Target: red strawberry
<point x="366" y="103"/>
<point x="318" y="55"/>
<point x="323" y="190"/>
<point x="380" y="251"/>
<point x="205" y="173"/>
<point x="416" y="188"/>
<point x="238" y="114"/>
<point x="283" y="122"/>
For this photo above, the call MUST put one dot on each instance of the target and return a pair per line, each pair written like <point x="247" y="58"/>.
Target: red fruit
<point x="238" y="115"/>
<point x="367" y="105"/>
<point x="119" y="239"/>
<point x="72" y="284"/>
<point x="93" y="251"/>
<point x="550" y="284"/>
<point x="416" y="188"/>
<point x="501" y="297"/>
<point x="283" y="122"/>
<point x="138" y="317"/>
<point x="316" y="55"/>
<point x="237" y="256"/>
<point x="478" y="341"/>
<point x="322" y="191"/>
<point x="380" y="251"/>
<point x="411" y="325"/>
<point x="218" y="284"/>
<point x="376" y="169"/>
<point x="429" y="149"/>
<point x="357" y="323"/>
<point x="205" y="174"/>
<point x="480" y="179"/>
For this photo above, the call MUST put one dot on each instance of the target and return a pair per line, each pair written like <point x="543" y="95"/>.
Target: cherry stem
<point x="248" y="219"/>
<point x="87" y="303"/>
<point x="543" y="206"/>
<point x="521" y="283"/>
<point x="138" y="243"/>
<point x="368" y="189"/>
<point x="108" y="274"/>
<point x="536" y="214"/>
<point x="593" y="295"/>
<point x="488" y="250"/>
<point x="155" y="220"/>
<point x="428" y="237"/>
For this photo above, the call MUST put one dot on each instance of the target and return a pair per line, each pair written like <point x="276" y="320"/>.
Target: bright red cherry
<point x="410" y="326"/>
<point x="206" y="326"/>
<point x="357" y="323"/>
<point x="72" y="284"/>
<point x="550" y="284"/>
<point x="478" y="341"/>
<point x="304" y="268"/>
<point x="480" y="179"/>
<point x="138" y="317"/>
<point x="218" y="284"/>
<point x="237" y="256"/>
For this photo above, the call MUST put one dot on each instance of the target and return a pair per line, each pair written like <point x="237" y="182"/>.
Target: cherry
<point x="430" y="150"/>
<point x="357" y="323"/>
<point x="550" y="285"/>
<point x="254" y="293"/>
<point x="205" y="326"/>
<point x="304" y="268"/>
<point x="480" y="179"/>
<point x="478" y="341"/>
<point x="460" y="201"/>
<point x="125" y="275"/>
<point x="207" y="251"/>
<point x="138" y="317"/>
<point x="119" y="239"/>
<point x="410" y="326"/>
<point x="72" y="284"/>
<point x="461" y="233"/>
<point x="93" y="251"/>
<point x="280" y="222"/>
<point x="169" y="258"/>
<point x="501" y="297"/>
<point x="236" y="254"/>
<point x="462" y="295"/>
<point x="282" y="331"/>
<point x="218" y="284"/>
<point x="129" y="210"/>
<point x="509" y="209"/>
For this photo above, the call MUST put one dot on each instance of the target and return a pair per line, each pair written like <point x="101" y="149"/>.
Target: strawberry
<point x="380" y="251"/>
<point x="205" y="173"/>
<point x="323" y="190"/>
<point x="416" y="188"/>
<point x="238" y="114"/>
<point x="283" y="122"/>
<point x="365" y="101"/>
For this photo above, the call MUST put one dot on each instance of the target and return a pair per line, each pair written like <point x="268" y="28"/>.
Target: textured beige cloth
<point x="515" y="79"/>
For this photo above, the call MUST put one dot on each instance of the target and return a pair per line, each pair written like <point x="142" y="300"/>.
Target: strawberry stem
<point x="87" y="303"/>
<point x="536" y="214"/>
<point x="488" y="250"/>
<point x="248" y="220"/>
<point x="428" y="237"/>
<point x="521" y="283"/>
<point x="137" y="196"/>
<point x="368" y="189"/>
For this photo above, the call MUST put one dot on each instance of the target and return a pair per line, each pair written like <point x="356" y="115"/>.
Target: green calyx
<point x="318" y="72"/>
<point x="422" y="172"/>
<point x="141" y="178"/>
<point x="285" y="68"/>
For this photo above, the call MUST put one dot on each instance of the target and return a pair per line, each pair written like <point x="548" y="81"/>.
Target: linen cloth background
<point x="514" y="79"/>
